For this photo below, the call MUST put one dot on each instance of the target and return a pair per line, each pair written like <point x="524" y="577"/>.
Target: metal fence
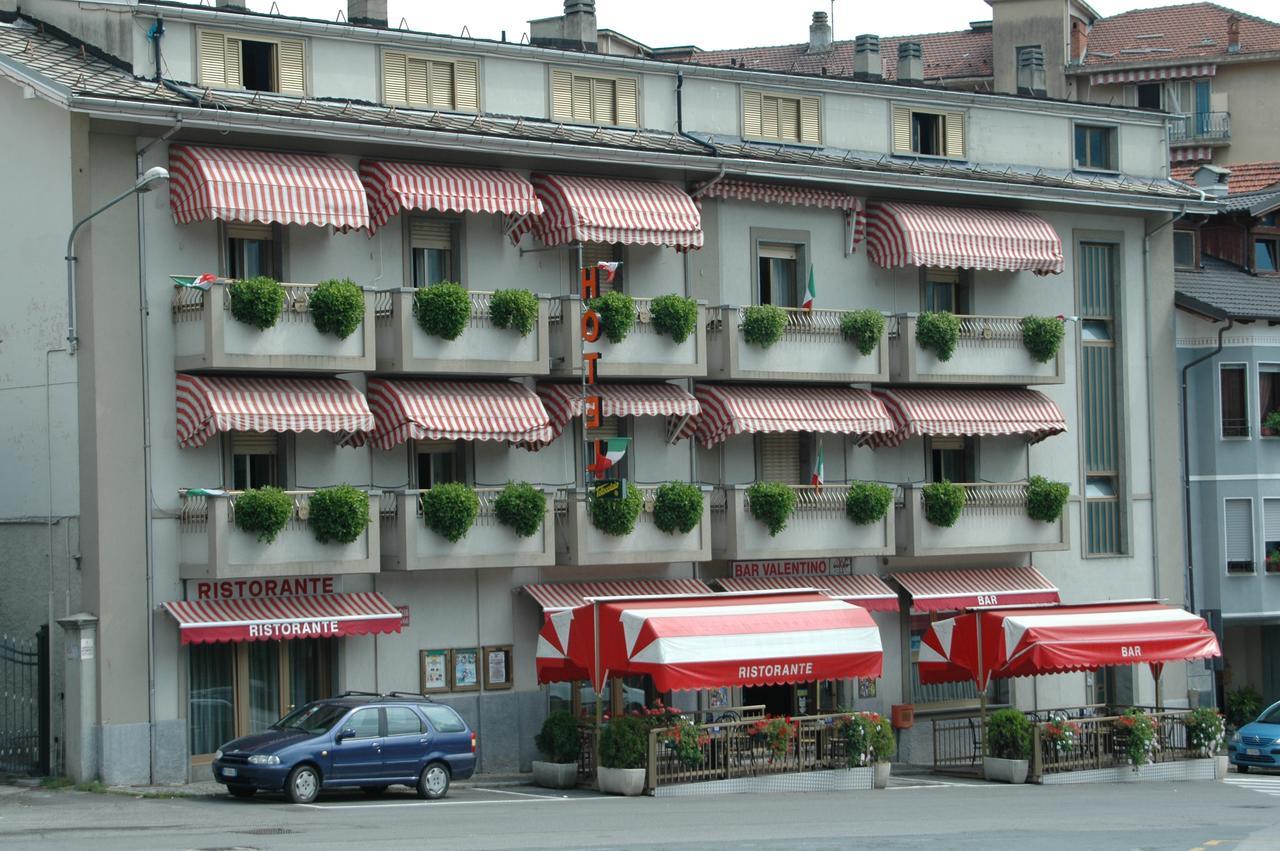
<point x="24" y="705"/>
<point x="1103" y="743"/>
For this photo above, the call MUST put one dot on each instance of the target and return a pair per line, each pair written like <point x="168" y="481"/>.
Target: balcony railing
<point x="213" y="547"/>
<point x="994" y="520"/>
<point x="1200" y="127"/>
<point x="644" y="353"/>
<point x="989" y="351"/>
<point x="483" y="348"/>
<point x="578" y="541"/>
<point x="818" y="528"/>
<point x="407" y="543"/>
<point x="207" y="336"/>
<point x="812" y="348"/>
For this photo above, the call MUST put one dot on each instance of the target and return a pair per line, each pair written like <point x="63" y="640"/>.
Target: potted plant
<point x="774" y="734"/>
<point x="762" y="324"/>
<point x="257" y="301"/>
<point x="617" y="517"/>
<point x="867" y="502"/>
<point x="1136" y="737"/>
<point x="883" y="746"/>
<point x="686" y="740"/>
<point x="263" y="512"/>
<point x="1271" y="424"/>
<point x="771" y="503"/>
<point x="677" y="507"/>
<point x="1008" y="747"/>
<point x="443" y="309"/>
<point x="1273" y="560"/>
<point x="943" y="502"/>
<point x="521" y="507"/>
<point x="339" y="514"/>
<point x="863" y="328"/>
<point x="449" y="509"/>
<point x="1046" y="499"/>
<point x="617" y="315"/>
<point x="624" y="755"/>
<point x="1243" y="705"/>
<point x="516" y="310"/>
<point x="337" y="307"/>
<point x="674" y="315"/>
<point x="1042" y="336"/>
<point x="1206" y="733"/>
<point x="938" y="332"/>
<point x="1060" y="736"/>
<point x="558" y="742"/>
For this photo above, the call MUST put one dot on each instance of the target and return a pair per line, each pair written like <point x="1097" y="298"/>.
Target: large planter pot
<point x="881" y="779"/>
<point x="1221" y="765"/>
<point x="555" y="775"/>
<point x="1004" y="770"/>
<point x="621" y="781"/>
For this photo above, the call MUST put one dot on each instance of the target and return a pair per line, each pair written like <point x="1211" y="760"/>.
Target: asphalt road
<point x="1241" y="814"/>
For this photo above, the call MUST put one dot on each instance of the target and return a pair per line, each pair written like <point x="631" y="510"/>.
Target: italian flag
<point x="810" y="292"/>
<point x="608" y="453"/>
<point x="199" y="282"/>
<point x="817" y="476"/>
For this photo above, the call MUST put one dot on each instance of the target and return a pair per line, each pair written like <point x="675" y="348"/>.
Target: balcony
<point x="994" y="520"/>
<point x="407" y="543"/>
<point x="483" y="348"/>
<point x="212" y="547"/>
<point x="644" y="353"/>
<point x="811" y="349"/>
<point x="579" y="542"/>
<point x="206" y="336"/>
<point x="989" y="351"/>
<point x="1200" y="128"/>
<point x="817" y="528"/>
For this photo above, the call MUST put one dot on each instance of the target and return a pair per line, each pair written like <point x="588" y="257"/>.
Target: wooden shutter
<point x="236" y="230"/>
<point x="290" y="70"/>
<point x="431" y="233"/>
<point x="628" y="111"/>
<point x="233" y="70"/>
<point x="394" y="78"/>
<point x="788" y="120"/>
<point x="769" y="117"/>
<point x="254" y="443"/>
<point x="582" y="99"/>
<point x="810" y="121"/>
<point x="954" y="130"/>
<point x="609" y="427"/>
<point x="1239" y="530"/>
<point x="442" y="84"/>
<point x="780" y="458"/>
<point x="212" y="59"/>
<point x="417" y="90"/>
<point x="466" y="85"/>
<point x="561" y="95"/>
<point x="901" y="130"/>
<point x="603" y="102"/>
<point x="752" y="109"/>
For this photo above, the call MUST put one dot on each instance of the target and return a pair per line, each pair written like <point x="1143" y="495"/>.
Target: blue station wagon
<point x="361" y="740"/>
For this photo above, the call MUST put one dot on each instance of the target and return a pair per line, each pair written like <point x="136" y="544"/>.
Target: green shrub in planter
<point x="1244" y="704"/>
<point x="943" y="502"/>
<point x="772" y="503"/>
<point x="1042" y="335"/>
<point x="617" y="315"/>
<point x="868" y="502"/>
<point x="257" y="302"/>
<point x="1045" y="498"/>
<point x="443" y="309"/>
<point x="938" y="332"/>
<point x="1206" y="731"/>
<point x="624" y="743"/>
<point x="514" y="309"/>
<point x="1271" y="422"/>
<point x="337" y="307"/>
<point x="675" y="316"/>
<point x="1008" y="735"/>
<point x="522" y="507"/>
<point x="762" y="324"/>
<point x="449" y="510"/>
<point x="617" y="516"/>
<point x="263" y="512"/>
<point x="339" y="514"/>
<point x="863" y="328"/>
<point x="558" y="738"/>
<point x="677" y="507"/>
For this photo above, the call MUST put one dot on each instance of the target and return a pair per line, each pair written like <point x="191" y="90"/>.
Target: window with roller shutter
<point x="781" y="118"/>
<point x="433" y="251"/>
<point x="1238" y="534"/>
<point x="257" y="460"/>
<point x="605" y="252"/>
<point x="928" y="133"/>
<point x="430" y="81"/>
<point x="594" y="99"/>
<point x="234" y="61"/>
<point x="1271" y="533"/>
<point x="779" y="458"/>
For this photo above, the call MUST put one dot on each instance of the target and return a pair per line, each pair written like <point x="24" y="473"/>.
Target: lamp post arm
<point x="73" y="339"/>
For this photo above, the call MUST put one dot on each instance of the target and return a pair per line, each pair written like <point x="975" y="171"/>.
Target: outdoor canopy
<point x="454" y="410"/>
<point x="901" y="234"/>
<point x="276" y="618"/>
<point x="1025" y="642"/>
<point x="563" y="402"/>
<point x="870" y="592"/>
<point x="396" y="186"/>
<point x="602" y="209"/>
<point x="208" y="404"/>
<point x="917" y="412"/>
<point x="729" y="409"/>
<point x="966" y="588"/>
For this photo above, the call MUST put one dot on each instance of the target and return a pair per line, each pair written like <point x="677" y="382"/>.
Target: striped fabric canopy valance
<point x="396" y="186"/>
<point x="729" y="409"/>
<point x="601" y="209"/>
<point x="971" y="413"/>
<point x="901" y="234"/>
<point x="454" y="410"/>
<point x="563" y="402"/>
<point x="211" y="404"/>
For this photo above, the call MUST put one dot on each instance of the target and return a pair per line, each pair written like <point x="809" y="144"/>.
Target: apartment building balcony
<point x="1200" y="128"/>
<point x="993" y="520"/>
<point x="407" y="543"/>
<point x="644" y="353"/>
<point x="211" y="546"/>
<point x="812" y="348"/>
<point x="579" y="542"/>
<point x="483" y="348"/>
<point x="989" y="351"/>
<point x="207" y="336"/>
<point x="817" y="528"/>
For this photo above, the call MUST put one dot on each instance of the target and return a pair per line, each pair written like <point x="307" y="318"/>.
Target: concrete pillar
<point x="80" y="684"/>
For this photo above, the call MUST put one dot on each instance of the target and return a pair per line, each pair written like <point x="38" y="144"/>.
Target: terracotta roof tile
<point x="1245" y="177"/>
<point x="1172" y="34"/>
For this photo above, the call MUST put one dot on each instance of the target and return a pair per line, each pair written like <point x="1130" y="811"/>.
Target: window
<point x="605" y="252"/>
<point x="1238" y="534"/>
<point x="1151" y="95"/>
<point x="426" y="81"/>
<point x="593" y="100"/>
<point x="439" y="462"/>
<point x="227" y="61"/>
<point x="778" y="268"/>
<point x="403" y="721"/>
<point x="953" y="458"/>
<point x="930" y="133"/>
<point x="1096" y="148"/>
<point x="364" y="723"/>
<point x="1266" y="255"/>
<point x="781" y="118"/>
<point x="1268" y="394"/>
<point x="945" y="289"/>
<point x="1271" y="534"/>
<point x="257" y="460"/>
<point x="1233" y="389"/>
<point x="253" y="250"/>
<point x="615" y="427"/>
<point x="1185" y="255"/>
<point x="1100" y="376"/>
<point x="444" y="719"/>
<point x="779" y="458"/>
<point x="433" y="248"/>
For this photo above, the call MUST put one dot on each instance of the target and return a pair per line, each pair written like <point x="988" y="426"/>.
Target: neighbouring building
<point x="305" y="151"/>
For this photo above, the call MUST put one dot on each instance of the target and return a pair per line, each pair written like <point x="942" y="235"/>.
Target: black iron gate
<point x="24" y="704"/>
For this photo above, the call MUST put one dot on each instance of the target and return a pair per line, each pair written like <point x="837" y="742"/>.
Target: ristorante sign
<point x="241" y="589"/>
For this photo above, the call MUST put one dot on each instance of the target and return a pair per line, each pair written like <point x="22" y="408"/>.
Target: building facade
<point x="306" y="151"/>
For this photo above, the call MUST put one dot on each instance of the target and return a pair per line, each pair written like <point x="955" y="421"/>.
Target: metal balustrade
<point x="1200" y="127"/>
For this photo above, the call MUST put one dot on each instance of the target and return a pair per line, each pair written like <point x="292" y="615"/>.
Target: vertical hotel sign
<point x="599" y="455"/>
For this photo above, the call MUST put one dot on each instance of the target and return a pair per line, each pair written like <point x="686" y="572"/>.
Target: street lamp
<point x="145" y="183"/>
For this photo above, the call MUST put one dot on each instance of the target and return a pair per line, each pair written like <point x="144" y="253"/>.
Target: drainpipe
<point x="680" y="117"/>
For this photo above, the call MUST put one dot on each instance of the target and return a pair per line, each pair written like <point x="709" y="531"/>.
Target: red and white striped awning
<point x="870" y="592"/>
<point x="773" y="193"/>
<point x="556" y="596"/>
<point x="396" y="186"/>
<point x="949" y="590"/>
<point x="970" y="413"/>
<point x="237" y="185"/>
<point x="1192" y="154"/>
<point x="455" y="410"/>
<point x="603" y="209"/>
<point x="210" y="404"/>
<point x="729" y="409"/>
<point x="563" y="402"/>
<point x="900" y="234"/>
<point x="277" y="618"/>
<point x="1144" y="75"/>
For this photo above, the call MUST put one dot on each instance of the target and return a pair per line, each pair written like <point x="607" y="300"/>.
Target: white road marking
<point x="519" y="794"/>
<point x="1266" y="784"/>
<point x="538" y="798"/>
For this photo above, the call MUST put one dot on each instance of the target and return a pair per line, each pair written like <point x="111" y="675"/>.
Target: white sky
<point x="707" y="23"/>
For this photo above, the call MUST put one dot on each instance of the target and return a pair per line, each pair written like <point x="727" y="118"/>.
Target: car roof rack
<point x="359" y="694"/>
<point x="413" y="694"/>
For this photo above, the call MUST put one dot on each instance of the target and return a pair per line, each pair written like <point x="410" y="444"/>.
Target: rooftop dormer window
<point x="430" y="81"/>
<point x="257" y="64"/>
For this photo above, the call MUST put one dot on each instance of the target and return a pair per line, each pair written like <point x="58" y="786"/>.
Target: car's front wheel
<point x="303" y="784"/>
<point x="434" y="782"/>
<point x="241" y="791"/>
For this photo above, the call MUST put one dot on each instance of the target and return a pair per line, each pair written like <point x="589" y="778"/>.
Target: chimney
<point x="367" y="13"/>
<point x="910" y="62"/>
<point x="1212" y="179"/>
<point x="1031" y="72"/>
<point x="1233" y="34"/>
<point x="866" y="58"/>
<point x="1079" y="40"/>
<point x="231" y="5"/>
<point x="820" y="33"/>
<point x="580" y="23"/>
